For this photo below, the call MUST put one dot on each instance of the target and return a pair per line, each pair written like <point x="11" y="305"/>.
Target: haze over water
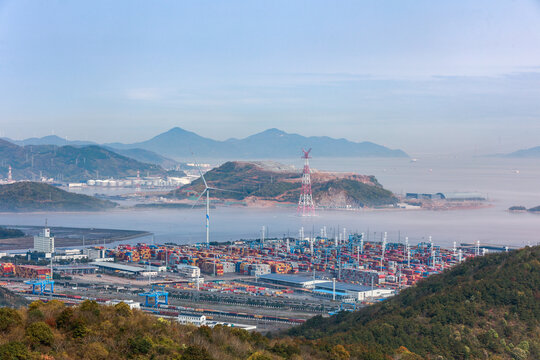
<point x="495" y="177"/>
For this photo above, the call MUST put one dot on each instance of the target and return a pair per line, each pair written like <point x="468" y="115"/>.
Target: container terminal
<point x="265" y="283"/>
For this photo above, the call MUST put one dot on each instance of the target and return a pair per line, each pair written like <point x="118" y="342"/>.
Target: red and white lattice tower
<point x="305" y="204"/>
<point x="10" y="177"/>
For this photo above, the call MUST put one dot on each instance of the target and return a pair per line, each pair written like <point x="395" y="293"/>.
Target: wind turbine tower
<point x="305" y="204"/>
<point x="207" y="191"/>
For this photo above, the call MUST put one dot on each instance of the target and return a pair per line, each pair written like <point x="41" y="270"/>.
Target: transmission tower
<point x="305" y="204"/>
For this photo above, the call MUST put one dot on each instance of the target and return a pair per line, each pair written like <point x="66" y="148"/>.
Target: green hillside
<point x="276" y="182"/>
<point x="69" y="163"/>
<point x="485" y="308"/>
<point x="32" y="196"/>
<point x="6" y="233"/>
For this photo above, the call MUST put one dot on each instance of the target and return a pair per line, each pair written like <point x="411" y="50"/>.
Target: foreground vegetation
<point x="91" y="331"/>
<point x="485" y="308"/>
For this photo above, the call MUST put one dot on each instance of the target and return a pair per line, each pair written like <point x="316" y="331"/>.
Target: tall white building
<point x="44" y="242"/>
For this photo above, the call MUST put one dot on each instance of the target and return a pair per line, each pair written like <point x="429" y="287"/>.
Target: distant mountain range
<point x="69" y="163"/>
<point x="141" y="155"/>
<point x="271" y="143"/>
<point x="525" y="153"/>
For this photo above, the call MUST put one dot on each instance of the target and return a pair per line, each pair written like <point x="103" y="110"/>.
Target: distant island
<point x="70" y="163"/>
<point x="271" y="143"/>
<point x="269" y="183"/>
<point x="520" y="208"/>
<point x="6" y="233"/>
<point x="533" y="152"/>
<point x="33" y="196"/>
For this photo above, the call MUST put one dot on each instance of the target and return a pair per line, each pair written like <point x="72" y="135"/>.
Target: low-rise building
<point x="356" y="292"/>
<point x="132" y="304"/>
<point x="188" y="271"/>
<point x="291" y="280"/>
<point x="194" y="319"/>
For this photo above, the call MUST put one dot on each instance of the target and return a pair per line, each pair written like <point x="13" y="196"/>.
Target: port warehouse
<point x="290" y="280"/>
<point x="454" y="196"/>
<point x="356" y="292"/>
<point x="108" y="267"/>
<point x="324" y="287"/>
<point x="75" y="269"/>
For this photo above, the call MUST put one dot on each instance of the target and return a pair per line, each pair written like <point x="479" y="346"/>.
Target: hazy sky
<point x="424" y="76"/>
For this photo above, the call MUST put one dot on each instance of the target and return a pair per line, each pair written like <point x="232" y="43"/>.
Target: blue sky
<point x="425" y="76"/>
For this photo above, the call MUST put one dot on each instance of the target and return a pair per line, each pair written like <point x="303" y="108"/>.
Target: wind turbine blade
<point x="218" y="189"/>
<point x="202" y="176"/>
<point x="200" y="171"/>
<point x="196" y="201"/>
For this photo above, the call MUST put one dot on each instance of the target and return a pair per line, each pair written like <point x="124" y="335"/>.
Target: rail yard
<point x="266" y="284"/>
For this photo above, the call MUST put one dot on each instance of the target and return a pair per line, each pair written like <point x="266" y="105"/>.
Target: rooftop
<point x="343" y="287"/>
<point x="115" y="266"/>
<point x="297" y="279"/>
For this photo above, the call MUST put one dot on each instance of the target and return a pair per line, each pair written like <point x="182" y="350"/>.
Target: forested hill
<point x="32" y="196"/>
<point x="485" y="308"/>
<point x="68" y="163"/>
<point x="271" y="181"/>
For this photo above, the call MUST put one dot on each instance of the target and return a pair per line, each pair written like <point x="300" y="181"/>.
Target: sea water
<point x="504" y="181"/>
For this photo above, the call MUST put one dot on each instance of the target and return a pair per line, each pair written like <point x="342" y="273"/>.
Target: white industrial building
<point x="356" y="292"/>
<point x="132" y="304"/>
<point x="188" y="271"/>
<point x="94" y="253"/>
<point x="197" y="320"/>
<point x="44" y="242"/>
<point x="291" y="280"/>
<point x="69" y="254"/>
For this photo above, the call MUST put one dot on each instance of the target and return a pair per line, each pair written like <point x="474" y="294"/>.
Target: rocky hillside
<point x="10" y="299"/>
<point x="266" y="181"/>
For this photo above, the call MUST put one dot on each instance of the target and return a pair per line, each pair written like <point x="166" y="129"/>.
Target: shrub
<point x="14" y="351"/>
<point x="96" y="351"/>
<point x="35" y="315"/>
<point x="123" y="309"/>
<point x="195" y="353"/>
<point x="65" y="318"/>
<point x="89" y="307"/>
<point x="285" y="350"/>
<point x="39" y="333"/>
<point x="8" y="318"/>
<point x="139" y="345"/>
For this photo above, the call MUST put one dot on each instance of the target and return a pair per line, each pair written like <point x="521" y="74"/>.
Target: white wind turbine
<point x="207" y="191"/>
